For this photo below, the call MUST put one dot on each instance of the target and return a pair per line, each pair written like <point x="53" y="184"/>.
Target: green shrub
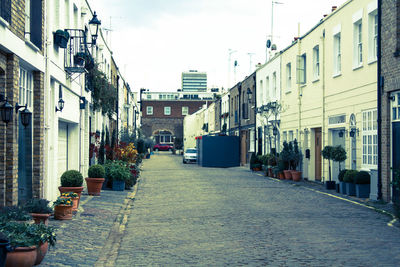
<point x="349" y="176"/>
<point x="117" y="171"/>
<point x="14" y="213"/>
<point x="37" y="205"/>
<point x="71" y="178"/>
<point x="341" y="175"/>
<point x="96" y="171"/>
<point x="254" y="161"/>
<point x="362" y="177"/>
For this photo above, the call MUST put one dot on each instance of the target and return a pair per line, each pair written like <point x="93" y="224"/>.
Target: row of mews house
<point x="59" y="85"/>
<point x="321" y="91"/>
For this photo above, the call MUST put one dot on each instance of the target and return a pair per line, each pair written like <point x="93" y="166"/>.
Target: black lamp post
<point x="94" y="24"/>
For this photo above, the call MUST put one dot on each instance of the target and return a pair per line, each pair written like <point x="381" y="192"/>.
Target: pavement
<point x="182" y="214"/>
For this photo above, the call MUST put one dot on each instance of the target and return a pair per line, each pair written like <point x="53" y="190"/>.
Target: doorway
<point x="338" y="139"/>
<point x="395" y="156"/>
<point x="24" y="162"/>
<point x="317" y="152"/>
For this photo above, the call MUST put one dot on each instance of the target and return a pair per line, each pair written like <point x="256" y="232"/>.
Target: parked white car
<point x="190" y="155"/>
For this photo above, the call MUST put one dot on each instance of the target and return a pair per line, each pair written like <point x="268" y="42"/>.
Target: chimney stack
<point x="334" y="8"/>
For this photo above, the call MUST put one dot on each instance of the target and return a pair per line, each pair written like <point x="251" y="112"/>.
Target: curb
<point x="394" y="219"/>
<point x="113" y="243"/>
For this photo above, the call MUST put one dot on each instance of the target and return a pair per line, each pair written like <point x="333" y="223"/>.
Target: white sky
<point x="154" y="41"/>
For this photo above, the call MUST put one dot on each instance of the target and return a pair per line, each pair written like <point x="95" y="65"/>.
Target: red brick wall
<point x="176" y="107"/>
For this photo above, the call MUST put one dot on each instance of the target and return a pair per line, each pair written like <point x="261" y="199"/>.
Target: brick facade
<point x="390" y="71"/>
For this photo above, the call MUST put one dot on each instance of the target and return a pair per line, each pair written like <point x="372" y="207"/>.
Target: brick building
<point x="163" y="119"/>
<point x="22" y="83"/>
<point x="390" y="96"/>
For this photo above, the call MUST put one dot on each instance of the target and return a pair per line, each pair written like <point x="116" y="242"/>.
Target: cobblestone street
<point x="188" y="215"/>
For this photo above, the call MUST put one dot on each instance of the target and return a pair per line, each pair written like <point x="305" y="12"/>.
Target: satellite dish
<point x="268" y="43"/>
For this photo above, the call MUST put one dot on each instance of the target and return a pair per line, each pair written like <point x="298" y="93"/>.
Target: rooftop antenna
<point x="251" y="62"/>
<point x="270" y="41"/>
<point x="230" y="52"/>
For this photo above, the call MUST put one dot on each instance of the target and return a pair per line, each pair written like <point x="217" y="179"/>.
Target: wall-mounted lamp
<point x="273" y="105"/>
<point x="82" y="102"/>
<point x="249" y="94"/>
<point x="341" y="133"/>
<point x="275" y="131"/>
<point x="353" y="132"/>
<point x="60" y="104"/>
<point x="392" y="98"/>
<point x="26" y="116"/>
<point x="306" y="130"/>
<point x="6" y="110"/>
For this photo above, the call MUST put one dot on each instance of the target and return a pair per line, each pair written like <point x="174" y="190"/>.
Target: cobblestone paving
<point x="188" y="215"/>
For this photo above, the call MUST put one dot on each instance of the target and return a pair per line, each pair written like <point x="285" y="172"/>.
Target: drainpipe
<point x="240" y="120"/>
<point x="379" y="102"/>
<point x="300" y="93"/>
<point x="255" y="112"/>
<point x="323" y="105"/>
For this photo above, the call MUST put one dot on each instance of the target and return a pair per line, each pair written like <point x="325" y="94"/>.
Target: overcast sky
<point x="154" y="41"/>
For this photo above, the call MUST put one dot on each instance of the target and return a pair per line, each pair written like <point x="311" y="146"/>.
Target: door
<point x="338" y="138"/>
<point x="395" y="155"/>
<point x="318" y="148"/>
<point x="24" y="162"/>
<point x="243" y="148"/>
<point x="62" y="148"/>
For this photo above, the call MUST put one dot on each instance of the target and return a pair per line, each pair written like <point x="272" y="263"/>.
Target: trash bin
<point x="4" y="248"/>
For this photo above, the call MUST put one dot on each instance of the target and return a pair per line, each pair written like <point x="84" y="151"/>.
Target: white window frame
<point x="267" y="86"/>
<point x="372" y="36"/>
<point x="369" y="139"/>
<point x="357" y="44"/>
<point x="288" y="77"/>
<point x="302" y="69"/>
<point x="25" y="88"/>
<point x="27" y="19"/>
<point x="148" y="96"/>
<point x="290" y="136"/>
<point x="149" y="110"/>
<point x="185" y="110"/>
<point x="395" y="111"/>
<point x="167" y="111"/>
<point x="274" y="88"/>
<point x="316" y="69"/>
<point x="337" y="54"/>
<point x="284" y="135"/>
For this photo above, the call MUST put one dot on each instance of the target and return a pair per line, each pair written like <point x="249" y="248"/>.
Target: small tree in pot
<point x="297" y="157"/>
<point x="71" y="181"/>
<point x="39" y="209"/>
<point x="95" y="179"/>
<point x="327" y="153"/>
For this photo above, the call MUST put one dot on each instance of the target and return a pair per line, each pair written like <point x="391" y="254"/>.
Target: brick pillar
<point x="38" y="134"/>
<point x="385" y="153"/>
<point x="12" y="79"/>
<point x="2" y="134"/>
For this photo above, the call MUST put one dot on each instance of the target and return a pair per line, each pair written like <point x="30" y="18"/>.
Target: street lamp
<point x="94" y="24"/>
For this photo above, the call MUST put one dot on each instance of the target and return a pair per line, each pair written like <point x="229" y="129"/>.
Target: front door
<point x="24" y="162"/>
<point x="243" y="148"/>
<point x="396" y="155"/>
<point x="338" y="139"/>
<point x="318" y="148"/>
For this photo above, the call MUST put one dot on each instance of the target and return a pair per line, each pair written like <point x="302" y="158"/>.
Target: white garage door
<point x="62" y="148"/>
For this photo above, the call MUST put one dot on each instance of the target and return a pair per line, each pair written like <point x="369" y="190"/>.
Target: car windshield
<point x="191" y="151"/>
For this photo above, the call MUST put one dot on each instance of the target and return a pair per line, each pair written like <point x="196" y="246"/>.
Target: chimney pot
<point x="334" y="8"/>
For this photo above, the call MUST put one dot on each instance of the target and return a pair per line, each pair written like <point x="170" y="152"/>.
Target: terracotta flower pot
<point x="296" y="176"/>
<point x="75" y="203"/>
<point x="63" y="212"/>
<point x="287" y="174"/>
<point x="94" y="185"/>
<point x="281" y="176"/>
<point x="41" y="252"/>
<point x="21" y="257"/>
<point x="40" y="218"/>
<point x="77" y="190"/>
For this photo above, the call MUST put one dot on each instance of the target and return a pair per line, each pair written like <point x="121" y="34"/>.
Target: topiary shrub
<point x="37" y="205"/>
<point x="71" y="178"/>
<point x="96" y="171"/>
<point x="349" y="176"/>
<point x="341" y="175"/>
<point x="362" y="177"/>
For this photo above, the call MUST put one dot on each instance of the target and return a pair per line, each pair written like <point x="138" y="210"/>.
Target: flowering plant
<point x="69" y="194"/>
<point x="126" y="152"/>
<point x="94" y="147"/>
<point x="63" y="201"/>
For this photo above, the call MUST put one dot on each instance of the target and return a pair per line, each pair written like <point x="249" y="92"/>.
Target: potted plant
<point x="118" y="173"/>
<point x="63" y="208"/>
<point x="79" y="58"/>
<point x="342" y="184"/>
<point x="71" y="181"/>
<point x="362" y="181"/>
<point x="47" y="236"/>
<point x="286" y="157"/>
<point x="61" y="38"/>
<point x="4" y="248"/>
<point x="349" y="178"/>
<point x="297" y="157"/>
<point x="327" y="153"/>
<point x="14" y="213"/>
<point x="339" y="155"/>
<point x="255" y="164"/>
<point x="95" y="180"/>
<point x="74" y="197"/>
<point x="39" y="209"/>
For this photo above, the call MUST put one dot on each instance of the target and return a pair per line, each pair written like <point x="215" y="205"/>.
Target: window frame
<point x="165" y="111"/>
<point x="148" y="112"/>
<point x="288" y="77"/>
<point x="337" y="54"/>
<point x="187" y="110"/>
<point x="302" y="69"/>
<point x="369" y="139"/>
<point x="357" y="44"/>
<point x="25" y="85"/>
<point x="316" y="65"/>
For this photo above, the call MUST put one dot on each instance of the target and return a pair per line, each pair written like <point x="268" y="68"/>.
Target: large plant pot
<point x="118" y="185"/>
<point x="287" y="174"/>
<point x="342" y="186"/>
<point x="270" y="173"/>
<point x="4" y="248"/>
<point x="296" y="176"/>
<point x="330" y="185"/>
<point x="77" y="190"/>
<point x="63" y="212"/>
<point x="41" y="252"/>
<point x="362" y="190"/>
<point x="21" y="257"/>
<point x="350" y="189"/>
<point x="94" y="185"/>
<point x="40" y="218"/>
<point x="281" y="176"/>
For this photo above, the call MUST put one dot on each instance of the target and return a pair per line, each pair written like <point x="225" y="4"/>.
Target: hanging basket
<point x="61" y="38"/>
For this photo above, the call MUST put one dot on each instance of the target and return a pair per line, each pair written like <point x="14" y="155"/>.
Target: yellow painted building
<point x="328" y="89"/>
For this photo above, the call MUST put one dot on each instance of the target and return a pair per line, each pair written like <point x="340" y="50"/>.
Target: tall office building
<point x="194" y="81"/>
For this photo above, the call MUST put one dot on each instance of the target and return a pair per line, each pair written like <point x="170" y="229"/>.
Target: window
<point x="274" y="85"/>
<point x="288" y="76"/>
<point x="370" y="139"/>
<point x="267" y="87"/>
<point x="316" y="62"/>
<point x="337" y="55"/>
<point x="301" y="69"/>
<point x="25" y="87"/>
<point x="284" y="136"/>
<point x="33" y="22"/>
<point x="66" y="14"/>
<point x="167" y="110"/>
<point x="261" y="96"/>
<point x="5" y="10"/>
<point x="185" y="111"/>
<point x="149" y="110"/>
<point x="148" y="96"/>
<point x="357" y="45"/>
<point x="290" y="136"/>
<point x="27" y="18"/>
<point x="372" y="36"/>
<point x="396" y="107"/>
